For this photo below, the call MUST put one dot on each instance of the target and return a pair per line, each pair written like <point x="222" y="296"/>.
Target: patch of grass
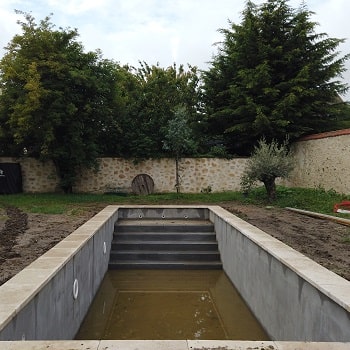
<point x="48" y="209"/>
<point x="317" y="200"/>
<point x="76" y="211"/>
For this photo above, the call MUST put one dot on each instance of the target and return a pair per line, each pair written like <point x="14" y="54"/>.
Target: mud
<point x="25" y="236"/>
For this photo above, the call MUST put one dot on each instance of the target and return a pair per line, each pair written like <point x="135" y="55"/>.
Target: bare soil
<point x="25" y="236"/>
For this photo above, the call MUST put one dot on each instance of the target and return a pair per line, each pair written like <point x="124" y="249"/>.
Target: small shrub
<point x="268" y="162"/>
<point x="206" y="189"/>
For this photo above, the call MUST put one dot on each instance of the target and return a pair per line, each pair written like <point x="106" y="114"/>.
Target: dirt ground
<point x="26" y="236"/>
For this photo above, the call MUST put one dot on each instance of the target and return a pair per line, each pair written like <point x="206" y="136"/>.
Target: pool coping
<point x="171" y="345"/>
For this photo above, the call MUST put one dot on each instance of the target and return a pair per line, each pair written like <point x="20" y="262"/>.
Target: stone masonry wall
<point x="116" y="174"/>
<point x="36" y="176"/>
<point x="322" y="160"/>
<point x="195" y="174"/>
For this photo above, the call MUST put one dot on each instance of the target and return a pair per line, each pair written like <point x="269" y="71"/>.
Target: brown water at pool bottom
<point x="169" y="304"/>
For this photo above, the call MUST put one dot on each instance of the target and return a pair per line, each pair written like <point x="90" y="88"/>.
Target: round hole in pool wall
<point x="186" y="216"/>
<point x="75" y="289"/>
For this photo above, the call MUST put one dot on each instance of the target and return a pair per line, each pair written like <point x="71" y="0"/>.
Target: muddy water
<point x="160" y="304"/>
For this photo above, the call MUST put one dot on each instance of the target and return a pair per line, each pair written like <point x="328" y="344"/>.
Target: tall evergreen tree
<point x="273" y="77"/>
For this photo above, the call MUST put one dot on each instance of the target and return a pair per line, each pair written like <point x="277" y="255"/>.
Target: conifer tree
<point x="273" y="77"/>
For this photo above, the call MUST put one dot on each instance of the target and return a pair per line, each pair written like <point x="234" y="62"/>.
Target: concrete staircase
<point x="164" y="244"/>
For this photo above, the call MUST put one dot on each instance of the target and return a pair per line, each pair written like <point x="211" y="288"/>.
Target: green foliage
<point x="273" y="76"/>
<point x="61" y="104"/>
<point x="207" y="189"/>
<point x="313" y="199"/>
<point x="155" y="92"/>
<point x="115" y="139"/>
<point x="343" y="117"/>
<point x="268" y="162"/>
<point x="318" y="199"/>
<point x="218" y="151"/>
<point x="178" y="139"/>
<point x="57" y="101"/>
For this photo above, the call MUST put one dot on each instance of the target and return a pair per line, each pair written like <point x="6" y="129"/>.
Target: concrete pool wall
<point x="293" y="297"/>
<point x="50" y="297"/>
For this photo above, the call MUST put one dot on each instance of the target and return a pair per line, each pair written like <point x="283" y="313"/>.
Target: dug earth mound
<point x="25" y="236"/>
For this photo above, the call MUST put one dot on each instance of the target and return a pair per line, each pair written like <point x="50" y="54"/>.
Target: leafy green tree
<point x="268" y="162"/>
<point x="273" y="76"/>
<point x="154" y="93"/>
<point x="179" y="139"/>
<point x="57" y="102"/>
<point x="115" y="141"/>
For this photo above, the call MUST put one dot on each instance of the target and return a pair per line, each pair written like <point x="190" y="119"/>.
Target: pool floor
<point x="169" y="304"/>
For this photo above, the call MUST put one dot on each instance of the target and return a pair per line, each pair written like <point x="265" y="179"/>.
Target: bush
<point x="267" y="162"/>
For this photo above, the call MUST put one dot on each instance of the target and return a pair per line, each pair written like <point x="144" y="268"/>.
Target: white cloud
<point x="76" y="7"/>
<point x="159" y="30"/>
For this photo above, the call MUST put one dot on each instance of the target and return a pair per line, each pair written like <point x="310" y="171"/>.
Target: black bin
<point x="10" y="178"/>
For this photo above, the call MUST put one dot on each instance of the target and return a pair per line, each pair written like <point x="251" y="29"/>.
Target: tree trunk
<point x="270" y="187"/>
<point x="177" y="184"/>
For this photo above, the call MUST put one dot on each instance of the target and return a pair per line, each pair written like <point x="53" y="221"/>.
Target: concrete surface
<point x="293" y="297"/>
<point x="169" y="345"/>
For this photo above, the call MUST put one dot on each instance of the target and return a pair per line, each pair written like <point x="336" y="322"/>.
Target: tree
<point x="115" y="141"/>
<point x="268" y="162"/>
<point x="273" y="76"/>
<point x="154" y="92"/>
<point x="56" y="101"/>
<point x="179" y="139"/>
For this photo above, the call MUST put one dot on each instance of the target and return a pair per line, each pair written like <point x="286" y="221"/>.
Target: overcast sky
<point x="164" y="31"/>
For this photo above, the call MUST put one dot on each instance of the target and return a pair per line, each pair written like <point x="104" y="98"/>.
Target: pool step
<point x="164" y="244"/>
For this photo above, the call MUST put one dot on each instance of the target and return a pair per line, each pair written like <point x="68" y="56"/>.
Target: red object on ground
<point x="344" y="205"/>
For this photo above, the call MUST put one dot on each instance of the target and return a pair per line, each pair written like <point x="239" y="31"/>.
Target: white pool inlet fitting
<point x="75" y="289"/>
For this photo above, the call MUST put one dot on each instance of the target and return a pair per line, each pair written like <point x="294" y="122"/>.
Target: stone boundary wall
<point x="116" y="175"/>
<point x="322" y="160"/>
<point x="196" y="174"/>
